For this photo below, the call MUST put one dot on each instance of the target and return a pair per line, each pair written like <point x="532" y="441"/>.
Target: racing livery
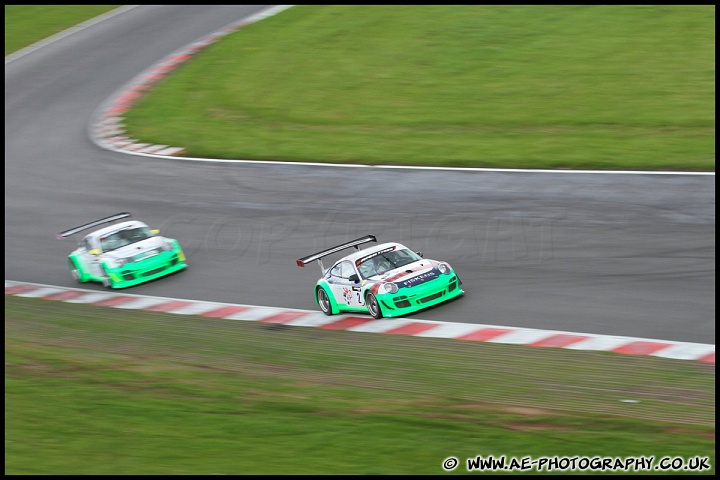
<point x="123" y="254"/>
<point x="386" y="280"/>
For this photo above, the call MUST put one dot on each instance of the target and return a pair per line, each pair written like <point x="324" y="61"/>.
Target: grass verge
<point x="587" y="87"/>
<point x="28" y="24"/>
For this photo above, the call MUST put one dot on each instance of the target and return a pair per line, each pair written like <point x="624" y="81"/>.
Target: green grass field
<point x="589" y="87"/>
<point x="92" y="390"/>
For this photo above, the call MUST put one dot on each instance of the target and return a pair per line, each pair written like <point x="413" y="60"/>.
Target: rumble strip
<point x="355" y="323"/>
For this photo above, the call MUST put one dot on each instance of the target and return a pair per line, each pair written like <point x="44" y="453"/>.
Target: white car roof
<point x="367" y="251"/>
<point x="116" y="227"/>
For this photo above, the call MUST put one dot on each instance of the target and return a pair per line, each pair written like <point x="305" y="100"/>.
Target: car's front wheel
<point x="75" y="271"/>
<point x="373" y="306"/>
<point x="324" y="301"/>
<point x="106" y="280"/>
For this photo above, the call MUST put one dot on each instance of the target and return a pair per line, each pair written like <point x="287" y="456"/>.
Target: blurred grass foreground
<point x="97" y="390"/>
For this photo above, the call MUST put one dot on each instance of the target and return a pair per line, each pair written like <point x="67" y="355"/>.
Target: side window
<point x="347" y="269"/>
<point x="336" y="270"/>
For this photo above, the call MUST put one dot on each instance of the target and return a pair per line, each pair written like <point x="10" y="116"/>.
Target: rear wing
<point x="301" y="262"/>
<point x="112" y="218"/>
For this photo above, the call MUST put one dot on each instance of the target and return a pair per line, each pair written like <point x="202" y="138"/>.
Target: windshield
<point x="386" y="261"/>
<point x="124" y="237"/>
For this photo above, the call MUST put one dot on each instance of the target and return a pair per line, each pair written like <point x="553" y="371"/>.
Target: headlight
<point x="119" y="262"/>
<point x="167" y="245"/>
<point x="444" y="268"/>
<point x="390" y="287"/>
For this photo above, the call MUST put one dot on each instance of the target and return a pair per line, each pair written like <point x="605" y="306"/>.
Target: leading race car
<point x="386" y="280"/>
<point x="124" y="254"/>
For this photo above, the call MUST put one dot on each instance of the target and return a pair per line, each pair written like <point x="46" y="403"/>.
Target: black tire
<point x="75" y="271"/>
<point x="106" y="281"/>
<point x="373" y="306"/>
<point x="324" y="301"/>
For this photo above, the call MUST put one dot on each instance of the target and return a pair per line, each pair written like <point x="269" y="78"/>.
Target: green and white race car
<point x="387" y="280"/>
<point x="123" y="254"/>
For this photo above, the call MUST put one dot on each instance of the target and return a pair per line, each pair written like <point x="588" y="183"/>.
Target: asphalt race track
<point x="614" y="254"/>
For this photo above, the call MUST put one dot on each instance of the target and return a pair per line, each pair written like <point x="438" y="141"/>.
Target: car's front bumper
<point x="148" y="269"/>
<point x="411" y="299"/>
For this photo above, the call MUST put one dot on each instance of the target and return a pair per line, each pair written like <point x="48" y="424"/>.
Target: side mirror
<point x="354" y="278"/>
<point x="94" y="251"/>
<point x="155" y="231"/>
<point x="420" y="254"/>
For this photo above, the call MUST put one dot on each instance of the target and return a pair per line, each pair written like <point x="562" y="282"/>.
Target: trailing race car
<point x="387" y="280"/>
<point x="123" y="254"/>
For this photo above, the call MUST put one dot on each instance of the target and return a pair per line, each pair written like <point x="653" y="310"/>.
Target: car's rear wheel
<point x="324" y="301"/>
<point x="373" y="306"/>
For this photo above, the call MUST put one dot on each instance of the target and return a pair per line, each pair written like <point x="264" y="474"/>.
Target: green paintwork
<point x="413" y="294"/>
<point x="165" y="262"/>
